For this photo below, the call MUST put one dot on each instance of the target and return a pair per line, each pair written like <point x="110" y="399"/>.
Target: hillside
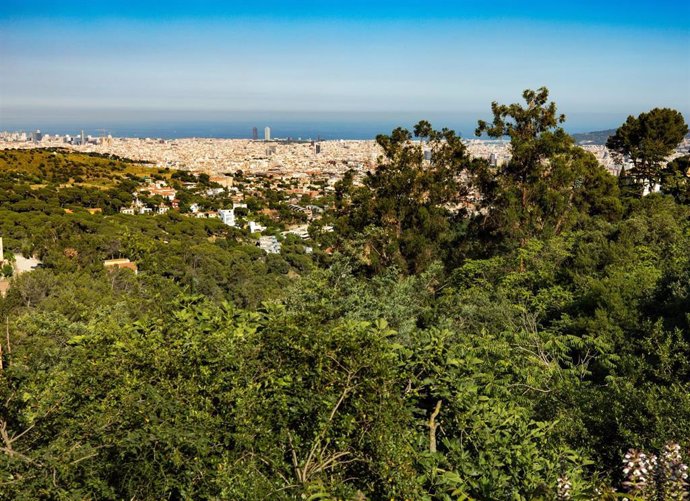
<point x="57" y="165"/>
<point x="594" y="137"/>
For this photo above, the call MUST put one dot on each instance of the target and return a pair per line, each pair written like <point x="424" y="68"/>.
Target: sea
<point x="329" y="126"/>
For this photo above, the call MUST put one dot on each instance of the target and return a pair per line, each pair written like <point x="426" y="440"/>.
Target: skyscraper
<point x="267" y="134"/>
<point x="255" y="133"/>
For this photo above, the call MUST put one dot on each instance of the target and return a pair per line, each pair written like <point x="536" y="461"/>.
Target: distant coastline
<point x="294" y="131"/>
<point x="303" y="132"/>
<point x="305" y="126"/>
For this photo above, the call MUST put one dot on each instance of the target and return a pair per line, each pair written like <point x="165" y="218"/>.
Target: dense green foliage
<point x="675" y="179"/>
<point x="549" y="186"/>
<point x="403" y="213"/>
<point x="479" y="333"/>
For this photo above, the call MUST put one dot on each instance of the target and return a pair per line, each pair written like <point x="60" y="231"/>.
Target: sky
<point x="116" y="62"/>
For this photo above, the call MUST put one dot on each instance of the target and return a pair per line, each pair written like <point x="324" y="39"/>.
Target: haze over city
<point x="176" y="69"/>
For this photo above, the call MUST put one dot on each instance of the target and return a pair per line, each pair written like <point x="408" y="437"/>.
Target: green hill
<point x="65" y="166"/>
<point x="595" y="137"/>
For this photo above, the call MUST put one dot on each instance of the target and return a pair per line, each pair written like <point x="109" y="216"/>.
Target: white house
<point x="269" y="244"/>
<point x="300" y="231"/>
<point x="227" y="216"/>
<point x="255" y="227"/>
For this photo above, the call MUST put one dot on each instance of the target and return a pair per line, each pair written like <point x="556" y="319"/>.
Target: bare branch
<point x="433" y="425"/>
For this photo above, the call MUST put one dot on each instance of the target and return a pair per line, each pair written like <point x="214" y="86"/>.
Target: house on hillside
<point x="227" y="216"/>
<point x="269" y="244"/>
<point x="120" y="264"/>
<point x="255" y="227"/>
<point x="300" y="231"/>
<point x="224" y="181"/>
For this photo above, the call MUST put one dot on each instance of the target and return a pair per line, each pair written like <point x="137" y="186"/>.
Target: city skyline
<point x="65" y="65"/>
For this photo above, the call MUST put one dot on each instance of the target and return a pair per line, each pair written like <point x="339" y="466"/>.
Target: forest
<point x="474" y="332"/>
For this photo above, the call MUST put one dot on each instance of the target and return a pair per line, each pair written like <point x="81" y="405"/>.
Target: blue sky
<point x="205" y="60"/>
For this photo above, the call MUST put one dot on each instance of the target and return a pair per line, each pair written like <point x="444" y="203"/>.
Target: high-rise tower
<point x="267" y="134"/>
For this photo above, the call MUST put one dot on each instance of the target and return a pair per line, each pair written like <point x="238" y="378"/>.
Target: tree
<point x="647" y="140"/>
<point x="549" y="184"/>
<point x="6" y="270"/>
<point x="675" y="179"/>
<point x="404" y="213"/>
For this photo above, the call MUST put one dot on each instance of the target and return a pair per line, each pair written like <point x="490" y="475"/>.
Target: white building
<point x="269" y="244"/>
<point x="301" y="231"/>
<point x="654" y="189"/>
<point x="267" y="134"/>
<point x="227" y="216"/>
<point x="255" y="227"/>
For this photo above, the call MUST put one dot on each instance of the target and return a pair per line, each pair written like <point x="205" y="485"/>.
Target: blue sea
<point x="239" y="126"/>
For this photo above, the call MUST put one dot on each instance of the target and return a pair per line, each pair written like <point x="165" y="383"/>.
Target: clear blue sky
<point x="199" y="59"/>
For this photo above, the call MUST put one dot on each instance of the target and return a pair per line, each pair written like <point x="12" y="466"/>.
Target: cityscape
<point x="378" y="250"/>
<point x="283" y="156"/>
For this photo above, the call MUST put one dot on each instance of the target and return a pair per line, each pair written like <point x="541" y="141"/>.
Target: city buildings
<point x="222" y="158"/>
<point x="267" y="134"/>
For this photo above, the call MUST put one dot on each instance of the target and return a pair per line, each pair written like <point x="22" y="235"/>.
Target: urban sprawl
<point x="219" y="156"/>
<point x="305" y="170"/>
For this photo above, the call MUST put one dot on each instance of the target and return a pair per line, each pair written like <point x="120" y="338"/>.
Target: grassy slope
<point x="65" y="166"/>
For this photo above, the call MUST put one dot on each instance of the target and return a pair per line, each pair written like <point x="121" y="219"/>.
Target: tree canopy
<point x="405" y="211"/>
<point x="647" y="140"/>
<point x="549" y="185"/>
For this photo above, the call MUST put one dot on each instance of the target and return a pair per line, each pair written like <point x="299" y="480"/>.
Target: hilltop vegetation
<point x="55" y="165"/>
<point x="477" y="333"/>
<point x="594" y="137"/>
